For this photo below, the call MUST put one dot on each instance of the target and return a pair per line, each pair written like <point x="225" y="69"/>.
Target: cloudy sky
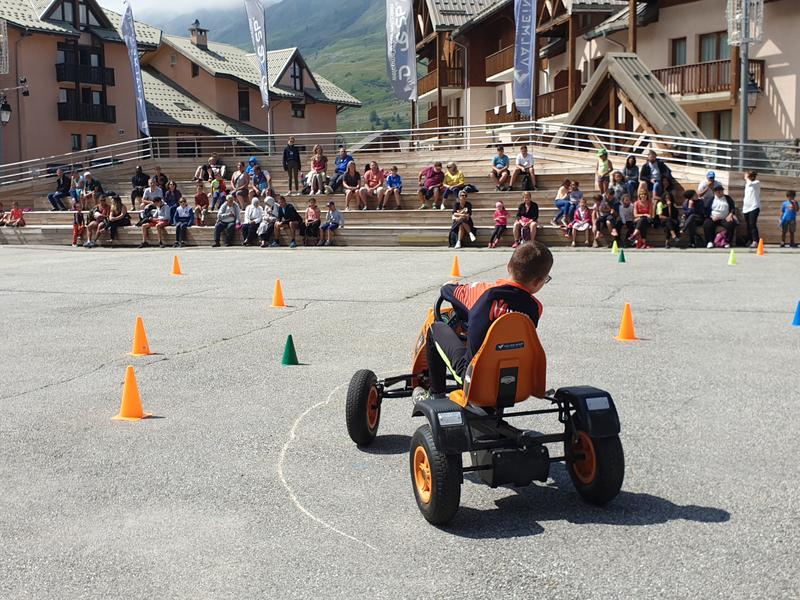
<point x="167" y="8"/>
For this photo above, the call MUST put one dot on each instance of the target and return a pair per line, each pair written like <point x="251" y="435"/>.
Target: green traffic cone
<point x="615" y="248"/>
<point x="732" y="258"/>
<point x="621" y="258"/>
<point x="289" y="353"/>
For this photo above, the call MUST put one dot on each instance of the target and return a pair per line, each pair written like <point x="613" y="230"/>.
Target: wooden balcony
<point x="84" y="74"/>
<point x="499" y="61"/>
<point x="97" y="113"/>
<point x="503" y="115"/>
<point x="554" y="103"/>
<point x="452" y="78"/>
<point x="704" y="78"/>
<point x="450" y="122"/>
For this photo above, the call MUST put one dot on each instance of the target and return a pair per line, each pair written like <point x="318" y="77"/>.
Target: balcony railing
<point x="452" y="78"/>
<point x="85" y="74"/>
<point x="501" y="114"/>
<point x="555" y="102"/>
<point x="99" y="113"/>
<point x="499" y="61"/>
<point x="704" y="78"/>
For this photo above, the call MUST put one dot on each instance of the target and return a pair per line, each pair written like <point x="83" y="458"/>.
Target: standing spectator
<point x="430" y="181"/>
<point x="562" y="203"/>
<point x="287" y="218"/>
<point x="318" y="164"/>
<point x="161" y="178"/>
<point x="705" y="190"/>
<point x="218" y="191"/>
<point x="240" y="181"/>
<point x="333" y="221"/>
<point x="581" y="222"/>
<point x="788" y="221"/>
<point x="63" y="184"/>
<point x="15" y="217"/>
<point x="117" y="217"/>
<point x="751" y="206"/>
<point x="453" y="181"/>
<point x="98" y="222"/>
<point x="652" y="172"/>
<point x="668" y="216"/>
<point x="527" y="218"/>
<point x="160" y="219"/>
<point x="291" y="164"/>
<point x="151" y="193"/>
<point x="312" y="219"/>
<point x="499" y="173"/>
<point x="500" y="223"/>
<point x="184" y="218"/>
<point x="200" y="205"/>
<point x="139" y="182"/>
<point x="78" y="223"/>
<point x="253" y="216"/>
<point x="603" y="171"/>
<point x="227" y="218"/>
<point x="694" y="214"/>
<point x="462" y="221"/>
<point x="351" y="182"/>
<point x="394" y="189"/>
<point x="172" y="196"/>
<point x="340" y="167"/>
<point x="374" y="185"/>
<point x="643" y="216"/>
<point x="722" y="214"/>
<point x="631" y="176"/>
<point x="524" y="168"/>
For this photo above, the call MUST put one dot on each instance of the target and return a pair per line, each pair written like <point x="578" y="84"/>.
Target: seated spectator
<point x="161" y="178"/>
<point x="139" y="182"/>
<point x="15" y="217"/>
<point x="117" y="217"/>
<point x="2" y="214"/>
<point x="227" y="218"/>
<point x="312" y="219"/>
<point x="98" y="221"/>
<point x="76" y="186"/>
<point x="210" y="170"/>
<point x="373" y="185"/>
<point x="582" y="222"/>
<point x="267" y="228"/>
<point x="78" y="224"/>
<point x="500" y="174"/>
<point x="606" y="219"/>
<point x="394" y="189"/>
<point x="575" y="195"/>
<point x="287" y="217"/>
<point x="705" y="189"/>
<point x="668" y="215"/>
<point x="200" y="205"/>
<point x="789" y="210"/>
<point x="253" y="216"/>
<point x="643" y="218"/>
<point x="652" y="172"/>
<point x="252" y="163"/>
<point x="562" y="204"/>
<point x="333" y="221"/>
<point x="218" y="192"/>
<point x="527" y="219"/>
<point x="261" y="181"/>
<point x="524" y="169"/>
<point x="430" y="181"/>
<point x="500" y="223"/>
<point x="152" y="192"/>
<point x="603" y="170"/>
<point x="240" y="182"/>
<point x="172" y="196"/>
<point x="694" y="215"/>
<point x="617" y="185"/>
<point x="462" y="225"/>
<point x="453" y="181"/>
<point x="626" y="219"/>
<point x="291" y="164"/>
<point x="161" y="217"/>
<point x="340" y="167"/>
<point x="723" y="214"/>
<point x="90" y="185"/>
<point x="351" y="182"/>
<point x="630" y="176"/>
<point x="317" y="176"/>
<point x="63" y="184"/>
<point x="183" y="218"/>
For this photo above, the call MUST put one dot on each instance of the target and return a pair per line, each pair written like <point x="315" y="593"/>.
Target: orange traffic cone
<point x="130" y="409"/>
<point x="760" y="251"/>
<point x="277" y="295"/>
<point x="176" y="266"/>
<point x="456" y="270"/>
<point x="626" y="332"/>
<point x="140" y="345"/>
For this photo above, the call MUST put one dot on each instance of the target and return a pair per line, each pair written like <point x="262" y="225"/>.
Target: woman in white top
<point x="253" y="215"/>
<point x="751" y="206"/>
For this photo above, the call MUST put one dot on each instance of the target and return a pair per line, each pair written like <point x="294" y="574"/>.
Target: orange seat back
<point x="510" y="365"/>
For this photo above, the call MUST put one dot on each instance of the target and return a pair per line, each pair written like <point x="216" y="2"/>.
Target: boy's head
<point x="331" y="205"/>
<point x="500" y="150"/>
<point x="394" y="169"/>
<point x="530" y="266"/>
<point x="751" y="175"/>
<point x="200" y="188"/>
<point x="312" y="202"/>
<point x="791" y="194"/>
<point x="626" y="200"/>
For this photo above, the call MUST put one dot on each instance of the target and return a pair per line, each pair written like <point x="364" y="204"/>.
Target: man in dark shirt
<point x="63" y="184"/>
<point x="291" y="164"/>
<point x="286" y="217"/>
<point x="139" y="182"/>
<point x="528" y="270"/>
<point x="527" y="219"/>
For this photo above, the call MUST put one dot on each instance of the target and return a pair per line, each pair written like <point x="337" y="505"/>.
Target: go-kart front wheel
<point x="435" y="478"/>
<point x="596" y="465"/>
<point x="363" y="410"/>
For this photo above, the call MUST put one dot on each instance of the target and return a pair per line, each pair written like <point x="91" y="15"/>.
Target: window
<point x="501" y="97"/>
<point x="63" y="12"/>
<point x="97" y="97"/>
<point x="76" y="141"/>
<point x="244" y="103"/>
<point x="66" y="95"/>
<point x="94" y="59"/>
<point x="86" y="16"/>
<point x="677" y="54"/>
<point x="61" y="58"/>
<point x="91" y="141"/>
<point x="195" y="70"/>
<point x="173" y="60"/>
<point x="297" y="77"/>
<point x="298" y="111"/>
<point x="716" y="124"/>
<point x="714" y="46"/>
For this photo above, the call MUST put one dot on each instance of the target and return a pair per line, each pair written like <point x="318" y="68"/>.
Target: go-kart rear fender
<point x="448" y="424"/>
<point x="594" y="409"/>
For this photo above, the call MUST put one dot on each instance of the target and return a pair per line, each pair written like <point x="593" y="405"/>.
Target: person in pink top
<point x="582" y="221"/>
<point x="500" y="223"/>
<point x="374" y="185"/>
<point x="311" y="221"/>
<point x="318" y="165"/>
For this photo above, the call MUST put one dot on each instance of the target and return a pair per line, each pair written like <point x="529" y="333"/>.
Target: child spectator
<point x="789" y="219"/>
<point x="318" y="164"/>
<point x="667" y="214"/>
<point x="15" y="217"/>
<point x="394" y="188"/>
<point x="626" y="217"/>
<point x="200" y="205"/>
<point x="312" y="221"/>
<point x="184" y="218"/>
<point x="603" y="171"/>
<point x="500" y="223"/>
<point x="617" y="185"/>
<point x="291" y="164"/>
<point x="575" y="195"/>
<point x="78" y="224"/>
<point x="334" y="221"/>
<point x="605" y="217"/>
<point x="351" y="184"/>
<point x="751" y="206"/>
<point x="500" y="174"/>
<point x="582" y="221"/>
<point x="642" y="215"/>
<point x="218" y="190"/>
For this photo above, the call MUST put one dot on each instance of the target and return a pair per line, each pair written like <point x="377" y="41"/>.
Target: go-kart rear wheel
<point x="363" y="410"/>
<point x="435" y="478"/>
<point x="596" y="465"/>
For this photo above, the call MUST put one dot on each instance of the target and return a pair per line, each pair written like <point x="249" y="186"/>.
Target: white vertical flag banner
<point x="256" y="21"/>
<point x="129" y="35"/>
<point x="524" y="60"/>
<point x="401" y="49"/>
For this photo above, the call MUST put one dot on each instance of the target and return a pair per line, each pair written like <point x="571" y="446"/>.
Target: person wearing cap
<point x="462" y="224"/>
<point x="90" y="186"/>
<point x="705" y="190"/>
<point x="603" y="170"/>
<point x="333" y="221"/>
<point x="160" y="219"/>
<point x="652" y="172"/>
<point x="227" y="218"/>
<point x="723" y="214"/>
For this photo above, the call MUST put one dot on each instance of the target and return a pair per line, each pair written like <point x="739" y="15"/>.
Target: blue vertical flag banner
<point x="256" y="20"/>
<point x="401" y="49"/>
<point x="129" y="35"/>
<point x="524" y="60"/>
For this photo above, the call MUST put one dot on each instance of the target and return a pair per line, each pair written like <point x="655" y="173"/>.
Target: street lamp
<point x="753" y="92"/>
<point x="5" y="111"/>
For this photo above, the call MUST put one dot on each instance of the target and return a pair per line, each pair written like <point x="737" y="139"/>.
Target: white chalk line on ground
<point x="290" y="491"/>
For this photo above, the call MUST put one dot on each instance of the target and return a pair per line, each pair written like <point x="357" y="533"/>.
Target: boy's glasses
<point x="548" y="279"/>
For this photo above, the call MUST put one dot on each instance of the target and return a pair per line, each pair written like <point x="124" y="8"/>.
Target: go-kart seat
<point x="509" y="367"/>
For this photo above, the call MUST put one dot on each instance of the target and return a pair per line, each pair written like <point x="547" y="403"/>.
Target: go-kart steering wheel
<point x="453" y="319"/>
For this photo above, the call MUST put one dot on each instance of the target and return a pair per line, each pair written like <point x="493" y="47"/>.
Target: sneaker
<point x="754" y="245"/>
<point x="274" y="244"/>
<point x="515" y="245"/>
<point x="321" y="243"/>
<point x="74" y="245"/>
<point x="293" y="244"/>
<point x="783" y="245"/>
<point x="710" y="245"/>
<point x="176" y="245"/>
<point x="215" y="245"/>
<point x="458" y="245"/>
<point x="365" y="208"/>
<point x="145" y="245"/>
<point x="792" y="245"/>
<point x="161" y="244"/>
<point x="727" y="246"/>
<point x="423" y="207"/>
<point x="572" y="244"/>
<point x="472" y="237"/>
<point x="442" y="206"/>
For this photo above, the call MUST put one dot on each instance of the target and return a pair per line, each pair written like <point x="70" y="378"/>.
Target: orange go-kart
<point x="509" y="368"/>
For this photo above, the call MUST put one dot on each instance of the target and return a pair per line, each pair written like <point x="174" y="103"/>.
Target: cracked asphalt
<point x="246" y="484"/>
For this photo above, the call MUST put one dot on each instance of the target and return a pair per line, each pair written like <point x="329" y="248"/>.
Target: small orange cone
<point x="626" y="332"/>
<point x="176" y="266"/>
<point x="277" y="295"/>
<point x="456" y="270"/>
<point x="140" y="345"/>
<point x="130" y="409"/>
<point x="760" y="251"/>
